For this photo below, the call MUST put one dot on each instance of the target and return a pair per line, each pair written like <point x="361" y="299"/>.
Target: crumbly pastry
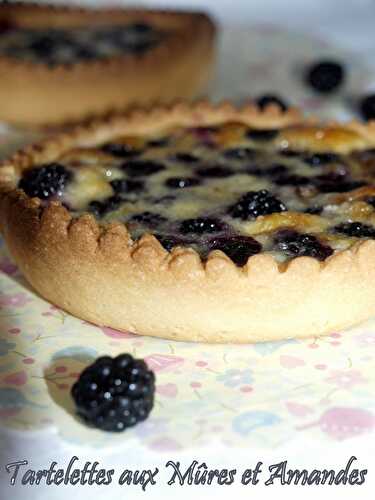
<point x="61" y="64"/>
<point x="199" y="222"/>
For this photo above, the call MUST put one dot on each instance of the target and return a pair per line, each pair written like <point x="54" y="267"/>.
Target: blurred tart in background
<point x="63" y="64"/>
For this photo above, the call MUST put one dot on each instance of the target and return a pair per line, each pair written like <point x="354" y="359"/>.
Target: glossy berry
<point x="267" y="99"/>
<point x="367" y="107"/>
<point x="124" y="186"/>
<point x="141" y="28"/>
<point x="215" y="172"/>
<point x="355" y="229"/>
<point x="365" y="155"/>
<point x="168" y="241"/>
<point x="150" y="219"/>
<point x="336" y="183"/>
<point x="238" y="248"/>
<point x="44" y="44"/>
<point x="121" y="150"/>
<point x="275" y="170"/>
<point x="46" y="181"/>
<point x="314" y="210"/>
<point x="290" y="153"/>
<point x="255" y="203"/>
<point x="296" y="244"/>
<point x="101" y="207"/>
<point x="86" y="53"/>
<point x="185" y="158"/>
<point x="201" y="225"/>
<point x="182" y="182"/>
<point x="370" y="200"/>
<point x="239" y="153"/>
<point x="160" y="142"/>
<point x="140" y="168"/>
<point x="113" y="394"/>
<point x="291" y="180"/>
<point x="319" y="159"/>
<point x="261" y="134"/>
<point x="326" y="76"/>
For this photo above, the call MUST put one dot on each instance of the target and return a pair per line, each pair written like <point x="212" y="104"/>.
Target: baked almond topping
<point x="229" y="187"/>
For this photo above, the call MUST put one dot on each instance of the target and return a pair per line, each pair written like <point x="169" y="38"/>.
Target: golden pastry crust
<point x="95" y="270"/>
<point x="35" y="94"/>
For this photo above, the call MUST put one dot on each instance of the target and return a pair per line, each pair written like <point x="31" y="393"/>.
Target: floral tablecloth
<point x="263" y="394"/>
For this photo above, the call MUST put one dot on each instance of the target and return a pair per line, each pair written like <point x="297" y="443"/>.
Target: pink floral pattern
<point x="346" y="379"/>
<point x="14" y="300"/>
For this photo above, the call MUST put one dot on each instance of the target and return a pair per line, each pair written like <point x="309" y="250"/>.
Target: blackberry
<point x="355" y="229"/>
<point x="276" y="170"/>
<point x="365" y="156"/>
<point x="141" y="28"/>
<point x="101" y="208"/>
<point x="254" y="170"/>
<point x="121" y="150"/>
<point x="267" y="99"/>
<point x="215" y="172"/>
<point x="165" y="199"/>
<point x="261" y="134"/>
<point x="371" y="201"/>
<point x="239" y="153"/>
<point x="367" y="107"/>
<point x="314" y="210"/>
<point x="319" y="159"/>
<point x="336" y="183"/>
<point x="201" y="225"/>
<point x="138" y="46"/>
<point x="238" y="248"/>
<point x="85" y="53"/>
<point x="140" y="168"/>
<point x="255" y="203"/>
<point x="296" y="244"/>
<point x="113" y="394"/>
<point x="46" y="181"/>
<point x="182" y="182"/>
<point x="148" y="218"/>
<point x="44" y="45"/>
<point x="273" y="171"/>
<point x="168" y="241"/>
<point x="326" y="76"/>
<point x="290" y="153"/>
<point x="161" y="142"/>
<point x="124" y="186"/>
<point x="185" y="158"/>
<point x="204" y="129"/>
<point x="291" y="180"/>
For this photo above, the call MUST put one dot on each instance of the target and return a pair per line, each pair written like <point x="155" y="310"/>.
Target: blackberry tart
<point x="62" y="64"/>
<point x="199" y="222"/>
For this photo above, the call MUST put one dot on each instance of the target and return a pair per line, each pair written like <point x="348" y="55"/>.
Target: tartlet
<point x="62" y="64"/>
<point x="199" y="222"/>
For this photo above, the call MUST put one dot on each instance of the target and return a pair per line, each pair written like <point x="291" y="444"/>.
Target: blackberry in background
<point x="325" y="76"/>
<point x="367" y="107"/>
<point x="267" y="99"/>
